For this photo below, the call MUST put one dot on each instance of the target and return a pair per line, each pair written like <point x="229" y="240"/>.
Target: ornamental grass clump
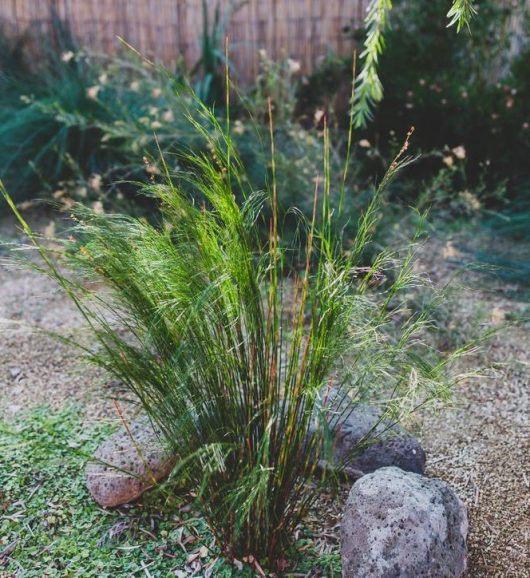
<point x="234" y="350"/>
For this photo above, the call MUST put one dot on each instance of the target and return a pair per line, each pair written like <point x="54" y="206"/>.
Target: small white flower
<point x="49" y="230"/>
<point x="168" y="116"/>
<point x="364" y="143"/>
<point x="459" y="152"/>
<point x="97" y="207"/>
<point x="319" y="113"/>
<point x="497" y="316"/>
<point x="25" y="205"/>
<point x="449" y="251"/>
<point x="294" y="66"/>
<point x="151" y="169"/>
<point x="471" y="200"/>
<point x="67" y="56"/>
<point x="239" y="127"/>
<point x="94" y="182"/>
<point x="93" y="91"/>
<point x="449" y="161"/>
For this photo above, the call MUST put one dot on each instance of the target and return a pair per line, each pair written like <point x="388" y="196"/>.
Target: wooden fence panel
<point x="170" y="30"/>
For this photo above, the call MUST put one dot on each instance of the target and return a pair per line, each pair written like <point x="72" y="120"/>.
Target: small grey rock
<point x="398" y="524"/>
<point x="15" y="372"/>
<point x="123" y="470"/>
<point x="363" y="443"/>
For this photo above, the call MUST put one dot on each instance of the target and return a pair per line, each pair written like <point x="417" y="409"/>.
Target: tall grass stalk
<point x="233" y="354"/>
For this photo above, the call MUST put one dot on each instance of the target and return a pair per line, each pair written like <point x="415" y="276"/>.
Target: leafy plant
<point x="81" y="115"/>
<point x="472" y="95"/>
<point x="83" y="120"/>
<point x="461" y="13"/>
<point x="233" y="354"/>
<point x="213" y="59"/>
<point x="369" y="89"/>
<point x="13" y="61"/>
<point x="278" y="82"/>
<point x="54" y="119"/>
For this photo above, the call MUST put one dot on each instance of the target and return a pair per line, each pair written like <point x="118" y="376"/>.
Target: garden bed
<point x="49" y="523"/>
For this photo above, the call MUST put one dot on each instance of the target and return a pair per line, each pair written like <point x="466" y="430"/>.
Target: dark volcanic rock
<point x="363" y="443"/>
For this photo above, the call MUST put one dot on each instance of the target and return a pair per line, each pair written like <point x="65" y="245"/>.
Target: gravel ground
<point x="36" y="369"/>
<point x="480" y="445"/>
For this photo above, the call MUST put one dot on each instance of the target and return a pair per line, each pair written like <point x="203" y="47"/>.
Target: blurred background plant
<point x="369" y="89"/>
<point x="278" y="82"/>
<point x="470" y="105"/>
<point x="473" y="94"/>
<point x="83" y="123"/>
<point x="210" y="85"/>
<point x="88" y="127"/>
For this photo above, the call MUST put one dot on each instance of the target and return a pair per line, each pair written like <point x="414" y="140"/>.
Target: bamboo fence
<point x="171" y="30"/>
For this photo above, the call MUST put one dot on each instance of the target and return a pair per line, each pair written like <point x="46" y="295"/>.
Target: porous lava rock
<point x="398" y="524"/>
<point x="128" y="463"/>
<point x="363" y="441"/>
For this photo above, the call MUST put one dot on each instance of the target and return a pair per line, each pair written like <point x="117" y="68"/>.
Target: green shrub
<point x="278" y="82"/>
<point x="369" y="89"/>
<point x="46" y="117"/>
<point x="233" y="353"/>
<point x="78" y="116"/>
<point x="472" y="94"/>
<point x="43" y="131"/>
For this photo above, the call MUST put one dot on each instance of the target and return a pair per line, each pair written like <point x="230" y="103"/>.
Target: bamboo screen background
<point x="169" y="30"/>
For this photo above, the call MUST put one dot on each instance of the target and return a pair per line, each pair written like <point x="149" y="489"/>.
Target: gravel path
<point x="480" y="446"/>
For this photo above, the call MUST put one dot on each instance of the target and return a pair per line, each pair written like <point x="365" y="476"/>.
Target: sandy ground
<point x="480" y="445"/>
